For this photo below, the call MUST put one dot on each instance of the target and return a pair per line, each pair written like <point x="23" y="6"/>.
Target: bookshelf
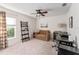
<point x="24" y="31"/>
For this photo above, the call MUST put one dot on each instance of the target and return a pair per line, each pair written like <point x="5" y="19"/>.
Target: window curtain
<point x="3" y="32"/>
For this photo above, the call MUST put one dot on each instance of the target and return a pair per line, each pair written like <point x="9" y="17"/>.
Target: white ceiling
<point x="28" y="8"/>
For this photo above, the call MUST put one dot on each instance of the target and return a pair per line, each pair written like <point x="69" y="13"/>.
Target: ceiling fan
<point x="40" y="12"/>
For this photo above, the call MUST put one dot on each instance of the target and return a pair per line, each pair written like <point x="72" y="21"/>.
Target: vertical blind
<point x="3" y="32"/>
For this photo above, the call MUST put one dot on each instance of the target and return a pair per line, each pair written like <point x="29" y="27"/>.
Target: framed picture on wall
<point x="71" y="22"/>
<point x="44" y="26"/>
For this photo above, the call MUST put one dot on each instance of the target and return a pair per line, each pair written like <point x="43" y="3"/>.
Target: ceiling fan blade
<point x="33" y="13"/>
<point x="42" y="14"/>
<point x="45" y="12"/>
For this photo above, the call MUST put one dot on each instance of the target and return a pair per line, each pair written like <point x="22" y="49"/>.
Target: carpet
<point x="31" y="47"/>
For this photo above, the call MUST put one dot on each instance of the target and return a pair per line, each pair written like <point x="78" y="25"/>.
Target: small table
<point x="67" y="50"/>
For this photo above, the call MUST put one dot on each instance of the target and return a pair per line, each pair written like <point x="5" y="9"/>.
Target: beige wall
<point x="19" y="17"/>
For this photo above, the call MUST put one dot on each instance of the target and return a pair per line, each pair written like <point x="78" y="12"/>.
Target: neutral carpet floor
<point x="32" y="47"/>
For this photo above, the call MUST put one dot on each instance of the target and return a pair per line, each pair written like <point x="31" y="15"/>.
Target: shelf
<point x="24" y="31"/>
<point x="25" y="34"/>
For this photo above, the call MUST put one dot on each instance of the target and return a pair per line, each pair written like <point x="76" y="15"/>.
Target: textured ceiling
<point x="28" y="8"/>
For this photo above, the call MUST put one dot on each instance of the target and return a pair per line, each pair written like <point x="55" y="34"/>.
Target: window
<point x="11" y="27"/>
